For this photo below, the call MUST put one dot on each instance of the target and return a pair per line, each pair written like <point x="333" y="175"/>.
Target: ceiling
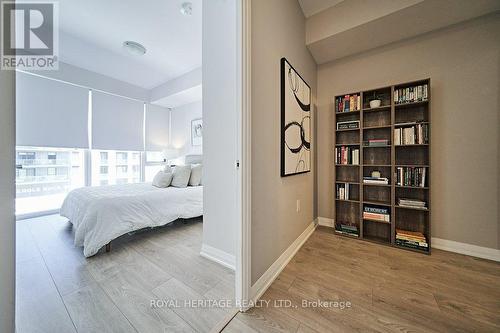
<point x="92" y="33"/>
<point x="311" y="7"/>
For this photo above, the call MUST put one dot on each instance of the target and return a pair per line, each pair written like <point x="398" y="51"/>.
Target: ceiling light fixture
<point x="187" y="9"/>
<point x="134" y="48"/>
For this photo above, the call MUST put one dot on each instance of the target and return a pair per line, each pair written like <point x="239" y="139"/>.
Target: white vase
<point x="375" y="103"/>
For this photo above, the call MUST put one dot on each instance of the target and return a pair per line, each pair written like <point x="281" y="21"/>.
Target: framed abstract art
<point x="295" y="122"/>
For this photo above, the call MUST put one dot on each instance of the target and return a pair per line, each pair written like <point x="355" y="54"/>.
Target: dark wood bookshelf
<point x="380" y="123"/>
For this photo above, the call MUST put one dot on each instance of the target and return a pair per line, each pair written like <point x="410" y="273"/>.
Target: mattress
<point x="101" y="214"/>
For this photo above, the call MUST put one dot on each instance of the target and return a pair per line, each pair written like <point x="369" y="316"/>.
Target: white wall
<point x="181" y="127"/>
<point x="219" y="119"/>
<point x="7" y="194"/>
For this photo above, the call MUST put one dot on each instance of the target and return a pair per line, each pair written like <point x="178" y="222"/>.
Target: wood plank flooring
<point x="59" y="290"/>
<point x="390" y="291"/>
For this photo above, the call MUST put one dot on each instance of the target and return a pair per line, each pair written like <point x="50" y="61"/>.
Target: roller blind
<point x="117" y="122"/>
<point x="50" y="113"/>
<point x="157" y="124"/>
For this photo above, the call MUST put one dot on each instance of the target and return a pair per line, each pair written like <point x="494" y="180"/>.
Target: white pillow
<point x="167" y="169"/>
<point x="195" y="178"/>
<point x="180" y="176"/>
<point x="162" y="179"/>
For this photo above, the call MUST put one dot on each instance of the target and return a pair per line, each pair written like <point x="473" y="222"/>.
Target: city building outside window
<point x="45" y="175"/>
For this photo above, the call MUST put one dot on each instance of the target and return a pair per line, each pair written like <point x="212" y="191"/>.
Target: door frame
<point x="243" y="252"/>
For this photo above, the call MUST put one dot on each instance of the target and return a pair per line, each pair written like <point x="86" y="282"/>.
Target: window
<point x="104" y="156"/>
<point x="115" y="167"/>
<point x="154" y="163"/>
<point x="52" y="158"/>
<point x="45" y="175"/>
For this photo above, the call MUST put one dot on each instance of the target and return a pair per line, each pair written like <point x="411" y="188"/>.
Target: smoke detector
<point x="134" y="48"/>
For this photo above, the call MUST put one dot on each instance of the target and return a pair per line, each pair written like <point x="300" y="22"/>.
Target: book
<point x="413" y="94"/>
<point x="378" y="210"/>
<point x="374" y="180"/>
<point x="348" y="124"/>
<point x="376" y="216"/>
<point x="416" y="134"/>
<point x="411" y="176"/>
<point x="346" y="155"/>
<point x="348" y="103"/>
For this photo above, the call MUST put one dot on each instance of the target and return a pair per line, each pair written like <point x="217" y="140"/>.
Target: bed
<point x="101" y="214"/>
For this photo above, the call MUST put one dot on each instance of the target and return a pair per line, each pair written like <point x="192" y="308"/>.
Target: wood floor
<point x="59" y="290"/>
<point x="390" y="291"/>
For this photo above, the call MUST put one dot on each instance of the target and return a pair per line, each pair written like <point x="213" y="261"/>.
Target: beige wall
<point x="464" y="66"/>
<point x="278" y="30"/>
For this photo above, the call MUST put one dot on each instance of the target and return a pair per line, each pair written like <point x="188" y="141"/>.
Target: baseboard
<point x="265" y="281"/>
<point x="223" y="258"/>
<point x="326" y="222"/>
<point x="467" y="249"/>
<point x="444" y="244"/>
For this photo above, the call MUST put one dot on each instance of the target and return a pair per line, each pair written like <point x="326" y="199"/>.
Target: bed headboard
<point x="193" y="159"/>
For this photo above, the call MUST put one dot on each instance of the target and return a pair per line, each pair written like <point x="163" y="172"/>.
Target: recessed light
<point x="134" y="47"/>
<point x="187" y="8"/>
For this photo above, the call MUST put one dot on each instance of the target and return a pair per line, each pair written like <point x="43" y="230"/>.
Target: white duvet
<point x="101" y="214"/>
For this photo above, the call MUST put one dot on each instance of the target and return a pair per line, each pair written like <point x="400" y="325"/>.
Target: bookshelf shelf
<point x="369" y="147"/>
<point x="347" y="129"/>
<point x="378" y="185"/>
<point x="356" y="201"/>
<point x="410" y="124"/>
<point x="380" y="108"/>
<point x="378" y="203"/>
<point x="348" y="112"/>
<point x="413" y="145"/>
<point x="413" y="187"/>
<point x="375" y="127"/>
<point x="401" y="128"/>
<point x="414" y="208"/>
<point x="377" y="165"/>
<point x="410" y="105"/>
<point x="376" y="221"/>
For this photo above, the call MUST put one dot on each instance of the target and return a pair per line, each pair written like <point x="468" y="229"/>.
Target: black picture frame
<point x="286" y="122"/>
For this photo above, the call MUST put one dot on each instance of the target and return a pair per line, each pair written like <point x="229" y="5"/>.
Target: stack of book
<point x="411" y="239"/>
<point x="348" y="103"/>
<point x="343" y="192"/>
<point x="416" y="134"/>
<point x="411" y="176"/>
<point x="347" y="124"/>
<point x="377" y="143"/>
<point x="348" y="229"/>
<point x="411" y="203"/>
<point x="411" y="94"/>
<point x="346" y="155"/>
<point x="376" y="180"/>
<point x="377" y="213"/>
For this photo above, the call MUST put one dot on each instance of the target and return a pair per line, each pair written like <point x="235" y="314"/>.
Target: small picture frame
<point x="197" y="132"/>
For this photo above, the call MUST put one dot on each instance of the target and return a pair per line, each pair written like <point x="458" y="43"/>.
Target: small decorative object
<point x="295" y="122"/>
<point x="375" y="102"/>
<point x="376" y="174"/>
<point x="197" y="132"/>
